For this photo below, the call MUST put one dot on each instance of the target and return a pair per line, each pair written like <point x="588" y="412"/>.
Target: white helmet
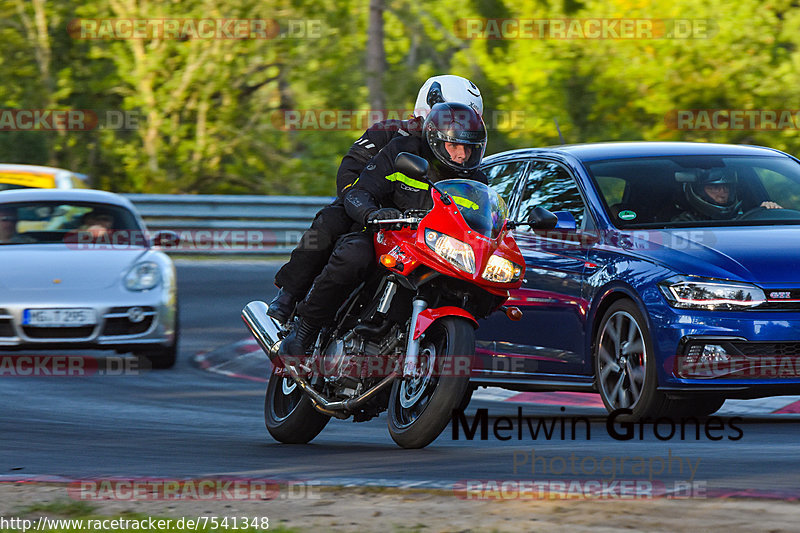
<point x="447" y="88"/>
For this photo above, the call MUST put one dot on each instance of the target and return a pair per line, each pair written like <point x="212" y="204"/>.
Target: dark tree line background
<point x="211" y="111"/>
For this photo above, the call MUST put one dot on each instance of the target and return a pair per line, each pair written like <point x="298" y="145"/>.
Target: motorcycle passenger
<point x="312" y="252"/>
<point x="453" y="142"/>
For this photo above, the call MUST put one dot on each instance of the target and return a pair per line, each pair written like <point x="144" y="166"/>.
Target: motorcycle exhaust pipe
<point x="264" y="328"/>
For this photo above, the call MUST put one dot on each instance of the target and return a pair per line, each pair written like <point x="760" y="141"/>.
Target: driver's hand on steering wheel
<point x="770" y="205"/>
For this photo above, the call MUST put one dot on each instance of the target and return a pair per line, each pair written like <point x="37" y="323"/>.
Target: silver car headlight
<point x="143" y="276"/>
<point x="712" y="294"/>
<point x="458" y="253"/>
<point x="501" y="270"/>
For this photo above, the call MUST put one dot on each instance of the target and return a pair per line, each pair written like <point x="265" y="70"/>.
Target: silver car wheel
<point x="622" y="361"/>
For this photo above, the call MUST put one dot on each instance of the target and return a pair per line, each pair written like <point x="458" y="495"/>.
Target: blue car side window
<point x="503" y="178"/>
<point x="551" y="186"/>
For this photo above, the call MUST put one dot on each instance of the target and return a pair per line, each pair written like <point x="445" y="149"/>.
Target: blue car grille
<point x="768" y="349"/>
<point x="781" y="299"/>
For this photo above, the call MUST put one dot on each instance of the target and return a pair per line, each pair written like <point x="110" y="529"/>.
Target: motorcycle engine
<point x="351" y="364"/>
<point x="340" y="365"/>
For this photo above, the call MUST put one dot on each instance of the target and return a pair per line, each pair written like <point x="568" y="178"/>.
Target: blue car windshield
<point x="482" y="208"/>
<point x="696" y="191"/>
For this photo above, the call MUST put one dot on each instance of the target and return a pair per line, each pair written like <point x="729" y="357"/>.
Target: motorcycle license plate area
<point x="59" y="318"/>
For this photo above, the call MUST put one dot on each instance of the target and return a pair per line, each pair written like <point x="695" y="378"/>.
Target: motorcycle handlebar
<point x="408" y="220"/>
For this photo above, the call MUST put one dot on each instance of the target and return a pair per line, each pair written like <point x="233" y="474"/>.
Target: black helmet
<point x="452" y="122"/>
<point x="702" y="203"/>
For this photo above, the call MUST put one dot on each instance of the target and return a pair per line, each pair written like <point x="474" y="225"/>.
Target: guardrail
<point x="216" y="224"/>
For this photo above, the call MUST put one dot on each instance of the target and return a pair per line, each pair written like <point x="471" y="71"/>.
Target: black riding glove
<point x="384" y="213"/>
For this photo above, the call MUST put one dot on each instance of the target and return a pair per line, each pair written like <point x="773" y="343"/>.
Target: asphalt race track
<point x="188" y="423"/>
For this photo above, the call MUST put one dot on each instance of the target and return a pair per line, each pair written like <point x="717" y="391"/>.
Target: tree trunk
<point x="376" y="55"/>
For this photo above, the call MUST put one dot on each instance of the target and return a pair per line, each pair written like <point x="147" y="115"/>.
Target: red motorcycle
<point x="404" y="340"/>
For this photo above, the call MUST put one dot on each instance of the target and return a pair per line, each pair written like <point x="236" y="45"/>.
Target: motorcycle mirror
<point x="411" y="165"/>
<point x="541" y="218"/>
<point x="416" y="167"/>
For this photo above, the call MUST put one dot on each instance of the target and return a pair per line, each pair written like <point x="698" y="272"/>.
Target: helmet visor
<point x="459" y="155"/>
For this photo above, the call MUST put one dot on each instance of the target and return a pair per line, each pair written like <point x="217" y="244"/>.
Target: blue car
<point x="661" y="297"/>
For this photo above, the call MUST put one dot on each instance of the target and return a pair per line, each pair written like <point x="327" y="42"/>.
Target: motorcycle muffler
<point x="264" y="328"/>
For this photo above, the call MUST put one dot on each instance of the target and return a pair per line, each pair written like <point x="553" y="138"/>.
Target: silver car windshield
<point x="59" y="222"/>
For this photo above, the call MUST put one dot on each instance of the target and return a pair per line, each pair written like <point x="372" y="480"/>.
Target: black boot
<point x="300" y="339"/>
<point x="282" y="306"/>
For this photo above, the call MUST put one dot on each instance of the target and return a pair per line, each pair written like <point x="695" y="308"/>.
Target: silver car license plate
<point x="59" y="318"/>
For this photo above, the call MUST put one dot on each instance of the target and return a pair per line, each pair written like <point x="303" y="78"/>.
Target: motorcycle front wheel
<point x="289" y="414"/>
<point x="420" y="407"/>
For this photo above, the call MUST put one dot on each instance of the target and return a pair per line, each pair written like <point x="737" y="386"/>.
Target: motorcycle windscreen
<point x="482" y="208"/>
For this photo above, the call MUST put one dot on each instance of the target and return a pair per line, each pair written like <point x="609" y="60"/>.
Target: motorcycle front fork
<point x="412" y="348"/>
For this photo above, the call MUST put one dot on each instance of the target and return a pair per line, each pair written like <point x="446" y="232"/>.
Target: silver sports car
<point x="78" y="270"/>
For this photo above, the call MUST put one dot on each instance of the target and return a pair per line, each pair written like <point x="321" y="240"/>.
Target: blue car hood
<point x="768" y="255"/>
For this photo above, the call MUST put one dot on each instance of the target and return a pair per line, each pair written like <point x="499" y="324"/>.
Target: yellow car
<point x="37" y="177"/>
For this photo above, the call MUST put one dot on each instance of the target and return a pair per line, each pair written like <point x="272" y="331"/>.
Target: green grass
<point x="66" y="508"/>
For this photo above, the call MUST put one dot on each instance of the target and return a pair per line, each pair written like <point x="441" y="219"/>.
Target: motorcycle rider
<point x="453" y="142"/>
<point x="312" y="252"/>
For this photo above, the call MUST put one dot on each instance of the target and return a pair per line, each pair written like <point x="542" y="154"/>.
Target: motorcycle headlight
<point x="711" y="294"/>
<point x="501" y="270"/>
<point x="143" y="276"/>
<point x="458" y="253"/>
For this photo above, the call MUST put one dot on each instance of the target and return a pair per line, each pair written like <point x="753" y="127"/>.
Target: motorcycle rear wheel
<point x="420" y="408"/>
<point x="289" y="414"/>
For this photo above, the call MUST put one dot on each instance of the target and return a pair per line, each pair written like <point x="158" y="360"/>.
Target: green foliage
<point x="210" y="113"/>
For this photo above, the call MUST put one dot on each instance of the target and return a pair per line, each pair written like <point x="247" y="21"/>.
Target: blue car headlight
<point x="709" y="294"/>
<point x="143" y="276"/>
